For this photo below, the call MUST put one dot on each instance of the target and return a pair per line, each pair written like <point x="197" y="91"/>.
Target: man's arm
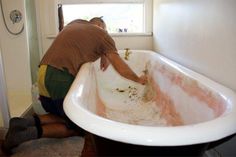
<point x="123" y="69"/>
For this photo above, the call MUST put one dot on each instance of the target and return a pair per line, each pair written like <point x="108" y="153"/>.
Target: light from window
<point x="119" y="17"/>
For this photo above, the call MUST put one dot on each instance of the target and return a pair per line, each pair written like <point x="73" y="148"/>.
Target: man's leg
<point x="50" y="118"/>
<point x="55" y="127"/>
<point x="16" y="136"/>
<point x="48" y="125"/>
<point x="58" y="130"/>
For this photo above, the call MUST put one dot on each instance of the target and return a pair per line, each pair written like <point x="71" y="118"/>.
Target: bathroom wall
<point x="4" y="112"/>
<point x="1" y="91"/>
<point x="47" y="20"/>
<point x="201" y="35"/>
<point x="134" y="42"/>
<point x="15" y="56"/>
<point x="32" y="36"/>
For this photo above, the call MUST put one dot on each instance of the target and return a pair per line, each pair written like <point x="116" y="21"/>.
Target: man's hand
<point x="142" y="79"/>
<point x="104" y="63"/>
<point x="124" y="70"/>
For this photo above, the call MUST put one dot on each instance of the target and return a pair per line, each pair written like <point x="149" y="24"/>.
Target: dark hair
<point x="98" y="20"/>
<point x="95" y="19"/>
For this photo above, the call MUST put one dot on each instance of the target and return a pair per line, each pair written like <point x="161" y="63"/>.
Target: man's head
<point x="98" y="21"/>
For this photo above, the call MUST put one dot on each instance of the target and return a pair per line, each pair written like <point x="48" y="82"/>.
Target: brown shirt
<point x="79" y="42"/>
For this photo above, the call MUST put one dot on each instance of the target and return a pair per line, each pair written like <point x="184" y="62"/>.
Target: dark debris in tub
<point x="131" y="91"/>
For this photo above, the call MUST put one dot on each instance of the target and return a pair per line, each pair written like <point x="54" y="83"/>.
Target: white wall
<point x="199" y="34"/>
<point x="15" y="59"/>
<point x="134" y="42"/>
<point x="47" y="20"/>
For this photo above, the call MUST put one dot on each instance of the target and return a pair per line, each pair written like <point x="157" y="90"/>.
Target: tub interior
<point x="174" y="95"/>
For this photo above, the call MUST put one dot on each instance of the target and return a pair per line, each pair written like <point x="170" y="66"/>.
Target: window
<point x="122" y="17"/>
<point x="118" y="17"/>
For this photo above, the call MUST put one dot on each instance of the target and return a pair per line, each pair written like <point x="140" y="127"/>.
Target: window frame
<point x="147" y="19"/>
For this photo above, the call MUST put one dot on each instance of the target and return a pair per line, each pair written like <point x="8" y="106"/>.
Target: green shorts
<point x="53" y="82"/>
<point x="53" y="86"/>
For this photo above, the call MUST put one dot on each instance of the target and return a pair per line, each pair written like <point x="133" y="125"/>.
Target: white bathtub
<point x="187" y="108"/>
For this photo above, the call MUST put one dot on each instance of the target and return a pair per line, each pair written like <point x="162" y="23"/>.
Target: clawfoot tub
<point x="178" y="109"/>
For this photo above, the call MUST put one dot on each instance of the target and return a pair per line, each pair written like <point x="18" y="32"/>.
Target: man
<point x="79" y="42"/>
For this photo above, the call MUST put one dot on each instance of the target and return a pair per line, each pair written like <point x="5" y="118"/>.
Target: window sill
<point x="130" y="34"/>
<point x="53" y="36"/>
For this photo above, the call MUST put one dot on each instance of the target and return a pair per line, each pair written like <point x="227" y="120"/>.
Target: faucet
<point x="127" y="53"/>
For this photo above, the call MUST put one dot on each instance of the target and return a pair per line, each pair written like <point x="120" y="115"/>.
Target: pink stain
<point x="100" y="107"/>
<point x="166" y="105"/>
<point x="192" y="88"/>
